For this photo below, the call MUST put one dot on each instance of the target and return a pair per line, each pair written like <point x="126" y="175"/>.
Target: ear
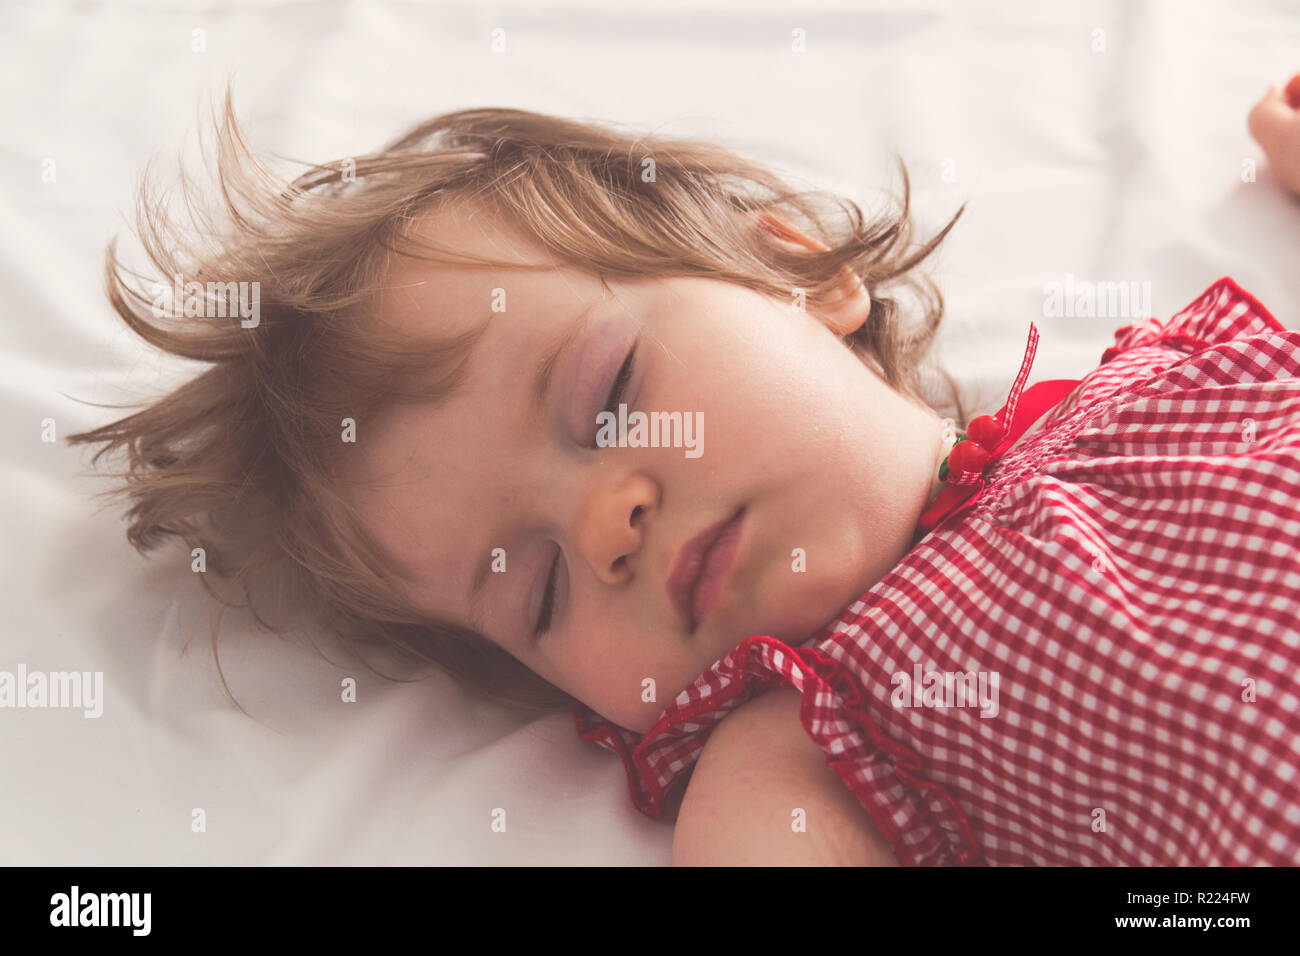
<point x="850" y="304"/>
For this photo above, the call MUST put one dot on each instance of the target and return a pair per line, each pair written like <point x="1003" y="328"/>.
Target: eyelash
<point x="620" y="380"/>
<point x="548" y="600"/>
<point x="611" y="405"/>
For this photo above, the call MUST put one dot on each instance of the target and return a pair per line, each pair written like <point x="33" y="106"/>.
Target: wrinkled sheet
<point x="1117" y="165"/>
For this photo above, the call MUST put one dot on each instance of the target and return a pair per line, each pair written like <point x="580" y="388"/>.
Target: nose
<point x="611" y="528"/>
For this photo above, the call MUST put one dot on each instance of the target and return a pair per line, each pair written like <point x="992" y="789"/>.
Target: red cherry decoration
<point x="967" y="456"/>
<point x="985" y="430"/>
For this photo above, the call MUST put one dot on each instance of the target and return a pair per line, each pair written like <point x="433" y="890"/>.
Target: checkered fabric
<point x="1125" y="592"/>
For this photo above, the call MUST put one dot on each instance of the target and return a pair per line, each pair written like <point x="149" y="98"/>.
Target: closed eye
<point x="548" y="599"/>
<point x="620" y="381"/>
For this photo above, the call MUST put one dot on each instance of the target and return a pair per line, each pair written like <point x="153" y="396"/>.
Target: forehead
<point x="433" y="298"/>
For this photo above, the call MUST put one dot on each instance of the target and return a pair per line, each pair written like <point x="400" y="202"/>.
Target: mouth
<point x="701" y="567"/>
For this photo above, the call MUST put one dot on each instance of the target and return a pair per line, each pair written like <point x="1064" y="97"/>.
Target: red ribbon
<point x="1017" y="415"/>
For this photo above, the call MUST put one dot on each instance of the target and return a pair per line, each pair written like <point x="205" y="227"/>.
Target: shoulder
<point x="1147" y="346"/>
<point x="762" y="795"/>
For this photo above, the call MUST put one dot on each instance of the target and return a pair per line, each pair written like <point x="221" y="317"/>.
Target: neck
<point x="947" y="438"/>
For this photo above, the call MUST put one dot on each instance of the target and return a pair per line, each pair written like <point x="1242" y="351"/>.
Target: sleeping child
<point x="631" y="426"/>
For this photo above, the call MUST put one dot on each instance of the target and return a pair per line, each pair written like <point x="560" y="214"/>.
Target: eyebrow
<point x="540" y="393"/>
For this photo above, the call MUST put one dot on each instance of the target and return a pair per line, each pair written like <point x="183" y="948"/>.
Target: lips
<point x="701" y="567"/>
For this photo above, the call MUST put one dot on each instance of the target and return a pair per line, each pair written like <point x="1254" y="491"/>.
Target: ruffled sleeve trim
<point x="920" y="819"/>
<point x="1223" y="312"/>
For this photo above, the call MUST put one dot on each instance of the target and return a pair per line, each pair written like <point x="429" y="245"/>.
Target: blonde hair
<point x="244" y="459"/>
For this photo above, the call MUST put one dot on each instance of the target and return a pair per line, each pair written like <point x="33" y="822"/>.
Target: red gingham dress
<point x="1130" y="574"/>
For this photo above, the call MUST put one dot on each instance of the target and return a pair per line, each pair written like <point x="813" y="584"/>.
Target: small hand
<point x="1274" y="122"/>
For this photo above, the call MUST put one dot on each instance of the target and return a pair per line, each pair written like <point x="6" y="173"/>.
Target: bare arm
<point x="757" y="771"/>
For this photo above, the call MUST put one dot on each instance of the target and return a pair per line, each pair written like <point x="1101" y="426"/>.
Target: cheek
<point x="600" y="669"/>
<point x="611" y="675"/>
<point x="793" y="395"/>
<point x="793" y="604"/>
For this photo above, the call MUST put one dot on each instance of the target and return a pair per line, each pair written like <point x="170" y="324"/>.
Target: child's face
<point x="830" y="466"/>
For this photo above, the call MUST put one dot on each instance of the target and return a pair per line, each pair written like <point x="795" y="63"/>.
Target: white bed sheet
<point x="1111" y="166"/>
